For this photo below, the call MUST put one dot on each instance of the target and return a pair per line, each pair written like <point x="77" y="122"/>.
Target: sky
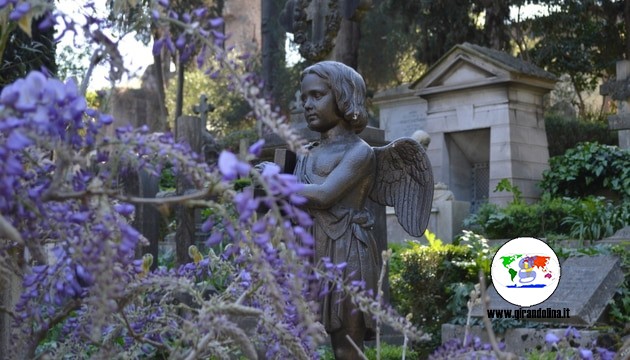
<point x="137" y="56"/>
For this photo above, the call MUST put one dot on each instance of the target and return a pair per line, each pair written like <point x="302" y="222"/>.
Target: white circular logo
<point x="525" y="271"/>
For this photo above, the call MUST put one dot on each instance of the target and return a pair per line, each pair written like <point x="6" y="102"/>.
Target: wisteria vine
<point x="67" y="242"/>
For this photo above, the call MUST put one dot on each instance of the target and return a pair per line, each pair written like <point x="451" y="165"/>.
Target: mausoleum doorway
<point x="468" y="159"/>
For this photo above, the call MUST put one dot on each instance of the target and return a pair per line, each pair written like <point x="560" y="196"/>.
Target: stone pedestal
<point x="446" y="220"/>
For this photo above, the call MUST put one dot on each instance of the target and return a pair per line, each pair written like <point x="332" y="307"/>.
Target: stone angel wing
<point x="404" y="180"/>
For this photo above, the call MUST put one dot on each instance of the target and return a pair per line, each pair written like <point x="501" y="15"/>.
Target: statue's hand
<point x="364" y="219"/>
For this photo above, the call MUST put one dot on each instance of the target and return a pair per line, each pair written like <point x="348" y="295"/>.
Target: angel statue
<point x="340" y="173"/>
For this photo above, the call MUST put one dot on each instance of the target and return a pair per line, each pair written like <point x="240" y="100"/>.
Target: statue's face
<point x="320" y="107"/>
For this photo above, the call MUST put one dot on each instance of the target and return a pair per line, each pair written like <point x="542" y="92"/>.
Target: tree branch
<point x="131" y="199"/>
<point x="138" y="337"/>
<point x="7" y="230"/>
<point x="41" y="333"/>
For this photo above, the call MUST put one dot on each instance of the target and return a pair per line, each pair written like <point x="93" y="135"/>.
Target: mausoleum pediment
<point x="464" y="71"/>
<point x="468" y="66"/>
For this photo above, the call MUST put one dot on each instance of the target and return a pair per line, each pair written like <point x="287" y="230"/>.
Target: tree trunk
<point x="626" y="17"/>
<point x="346" y="48"/>
<point x="269" y="43"/>
<point x="495" y="30"/>
<point x="161" y="85"/>
<point x="179" y="102"/>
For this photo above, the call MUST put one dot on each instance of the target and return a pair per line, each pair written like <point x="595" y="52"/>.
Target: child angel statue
<point x="340" y="172"/>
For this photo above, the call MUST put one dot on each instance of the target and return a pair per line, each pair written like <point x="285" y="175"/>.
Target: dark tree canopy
<point x="436" y="26"/>
<point x="414" y="34"/>
<point x="24" y="53"/>
<point x="581" y="39"/>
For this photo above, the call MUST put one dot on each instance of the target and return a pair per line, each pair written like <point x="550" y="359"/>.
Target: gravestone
<point x="621" y="234"/>
<point x="148" y="219"/>
<point x="316" y="13"/>
<point x="587" y="284"/>
<point x="203" y="108"/>
<point x="519" y="341"/>
<point x="135" y="107"/>
<point x="188" y="130"/>
<point x="192" y="130"/>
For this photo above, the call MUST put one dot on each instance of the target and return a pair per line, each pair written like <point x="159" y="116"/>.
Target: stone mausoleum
<point x="484" y="112"/>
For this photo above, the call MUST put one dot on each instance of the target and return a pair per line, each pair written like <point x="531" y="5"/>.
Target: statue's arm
<point x="349" y="173"/>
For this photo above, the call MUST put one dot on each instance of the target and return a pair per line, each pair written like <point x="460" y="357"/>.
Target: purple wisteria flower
<point x="586" y="354"/>
<point x="19" y="11"/>
<point x="256" y="148"/>
<point x="605" y="354"/>
<point x="551" y="339"/>
<point x="62" y="188"/>
<point x="572" y="332"/>
<point x="231" y="167"/>
<point x="46" y="107"/>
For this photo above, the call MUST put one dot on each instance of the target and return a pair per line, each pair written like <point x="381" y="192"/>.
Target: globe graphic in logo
<point x="525" y="271"/>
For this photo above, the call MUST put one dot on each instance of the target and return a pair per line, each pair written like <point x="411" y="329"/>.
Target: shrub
<point x="594" y="218"/>
<point x="565" y="133"/>
<point x="388" y="352"/>
<point x="589" y="169"/>
<point x="590" y="218"/>
<point x="421" y="283"/>
<point x="519" y="219"/>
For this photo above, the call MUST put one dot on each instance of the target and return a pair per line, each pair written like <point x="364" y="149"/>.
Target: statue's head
<point x="349" y="90"/>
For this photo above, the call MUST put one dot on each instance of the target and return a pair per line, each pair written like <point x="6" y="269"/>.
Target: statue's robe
<point x="344" y="235"/>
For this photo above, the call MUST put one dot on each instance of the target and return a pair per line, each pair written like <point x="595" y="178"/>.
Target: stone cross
<point x="203" y="108"/>
<point x="316" y="13"/>
<point x="620" y="90"/>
